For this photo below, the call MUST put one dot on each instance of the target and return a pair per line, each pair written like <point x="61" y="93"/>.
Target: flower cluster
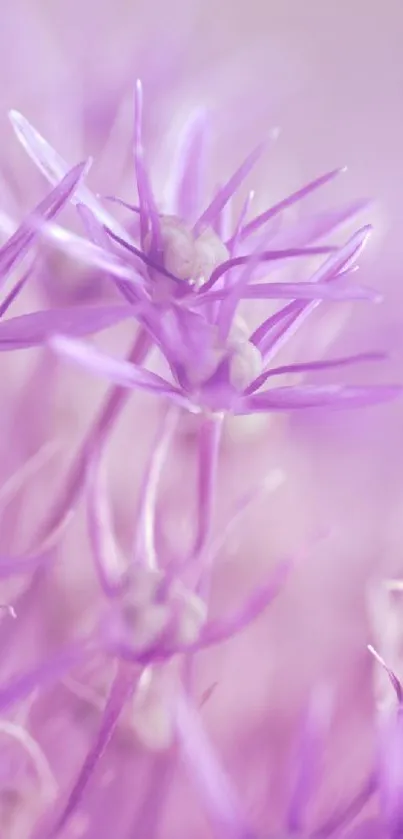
<point x="189" y="278"/>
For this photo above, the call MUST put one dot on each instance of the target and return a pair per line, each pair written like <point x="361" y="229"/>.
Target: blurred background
<point x="330" y="75"/>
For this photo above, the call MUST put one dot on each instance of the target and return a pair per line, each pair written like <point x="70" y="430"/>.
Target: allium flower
<point x="101" y="696"/>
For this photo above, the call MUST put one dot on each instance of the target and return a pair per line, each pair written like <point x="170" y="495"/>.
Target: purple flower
<point x="112" y="623"/>
<point x="216" y="369"/>
<point x="224" y="372"/>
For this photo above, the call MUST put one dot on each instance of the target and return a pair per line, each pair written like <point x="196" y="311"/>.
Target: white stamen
<point x="210" y="252"/>
<point x="179" y="248"/>
<point x="147" y="619"/>
<point x="189" y="258"/>
<point x="245" y="365"/>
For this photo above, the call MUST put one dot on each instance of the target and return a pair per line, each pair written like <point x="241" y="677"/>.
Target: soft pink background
<point x="331" y="75"/>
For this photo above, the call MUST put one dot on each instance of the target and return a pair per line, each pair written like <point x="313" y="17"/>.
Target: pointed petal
<point x="368" y="828"/>
<point x="215" y="788"/>
<point x="315" y="366"/>
<point x="390" y="768"/>
<point x="95" y="230"/>
<point x="231" y="301"/>
<point x="121" y="372"/>
<point x="344" y="817"/>
<point x="15" y="566"/>
<point x="270" y="484"/>
<point x="251" y="261"/>
<point x="53" y="167"/>
<point x="394" y="680"/>
<point x="324" y="223"/>
<point x="144" y="547"/>
<point x="148" y="210"/>
<point x="109" y="566"/>
<point x="310" y="291"/>
<point x="30" y="468"/>
<point x="318" y="396"/>
<point x="293" y="291"/>
<point x="116" y="200"/>
<point x="209" y="445"/>
<point x="295" y="314"/>
<point x="226" y="192"/>
<point x="307" y="760"/>
<point x="13" y="294"/>
<point x="292" y="199"/>
<point x="92" y="255"/>
<point x="234" y="241"/>
<point x="265" y="256"/>
<point x="34" y="329"/>
<point x="218" y="631"/>
<point x="148" y="260"/>
<point x="124" y="373"/>
<point x="103" y="425"/>
<point x="20" y="687"/>
<point x="122" y="688"/>
<point x="20" y="242"/>
<point x="132" y="289"/>
<point x="189" y="174"/>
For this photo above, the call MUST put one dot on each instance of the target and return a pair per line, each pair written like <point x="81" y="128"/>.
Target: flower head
<point x="186" y="267"/>
<point x="131" y="637"/>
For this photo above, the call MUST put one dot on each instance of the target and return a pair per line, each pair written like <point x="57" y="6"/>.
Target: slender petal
<point x="265" y="256"/>
<point x="292" y="291"/>
<point x="314" y="227"/>
<point x="53" y="167"/>
<point x="47" y="673"/>
<point x="13" y="294"/>
<point x="230" y="303"/>
<point x="148" y="210"/>
<point x="318" y="396"/>
<point x="390" y="769"/>
<point x="189" y="175"/>
<point x="270" y="484"/>
<point x="120" y="372"/>
<point x="235" y="239"/>
<point x="144" y="547"/>
<point x="13" y="251"/>
<point x="310" y="291"/>
<point x="215" y="788"/>
<point x="101" y="428"/>
<point x="292" y="199"/>
<point x="315" y="366"/>
<point x="36" y="328"/>
<point x="15" y="566"/>
<point x="218" y="631"/>
<point x="226" y="192"/>
<point x="148" y="260"/>
<point x="306" y="764"/>
<point x="295" y="314"/>
<point x="108" y="564"/>
<point x="126" y="204"/>
<point x="209" y="443"/>
<point x="346" y="815"/>
<point x="92" y="255"/>
<point x="122" y="688"/>
<point x="131" y="284"/>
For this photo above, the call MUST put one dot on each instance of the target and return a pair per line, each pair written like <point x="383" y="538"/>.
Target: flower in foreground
<point x="184" y="278"/>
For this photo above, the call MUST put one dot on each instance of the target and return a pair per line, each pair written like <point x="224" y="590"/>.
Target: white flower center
<point x="188" y="257"/>
<point x="175" y="619"/>
<point x="246" y="360"/>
